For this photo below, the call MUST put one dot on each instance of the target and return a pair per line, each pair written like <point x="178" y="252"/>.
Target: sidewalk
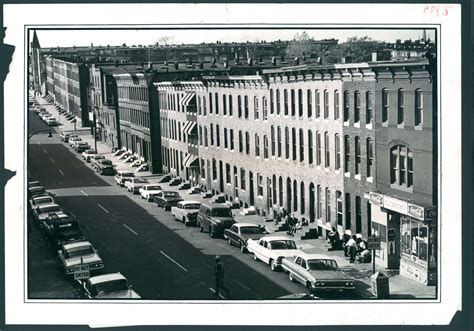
<point x="400" y="287"/>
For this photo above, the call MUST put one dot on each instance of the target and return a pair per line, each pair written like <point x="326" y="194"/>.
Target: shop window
<point x="380" y="231"/>
<point x="414" y="241"/>
<point x="401" y="164"/>
<point x="418" y="107"/>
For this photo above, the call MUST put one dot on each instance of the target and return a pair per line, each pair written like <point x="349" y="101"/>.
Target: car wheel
<point x="185" y="222"/>
<point x="230" y="242"/>
<point x="201" y="228"/>
<point x="273" y="266"/>
<point x="242" y="248"/>
<point x="290" y="276"/>
<point x="308" y="286"/>
<point x="255" y="258"/>
<point x="212" y="232"/>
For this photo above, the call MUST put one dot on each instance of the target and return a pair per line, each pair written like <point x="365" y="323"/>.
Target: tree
<point x="302" y="45"/>
<point x="165" y="40"/>
<point x="354" y="50"/>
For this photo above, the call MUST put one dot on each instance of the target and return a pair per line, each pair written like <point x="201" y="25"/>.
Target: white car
<point x="40" y="213"/>
<point x="148" y="191"/>
<point x="122" y="176"/>
<point x="272" y="250"/>
<point x="109" y="286"/>
<point x="87" y="154"/>
<point x="186" y="211"/>
<point x="80" y="146"/>
<point x="45" y="116"/>
<point x="51" y="121"/>
<point x="41" y="201"/>
<point x="135" y="184"/>
<point x="81" y="252"/>
<point x="74" y="139"/>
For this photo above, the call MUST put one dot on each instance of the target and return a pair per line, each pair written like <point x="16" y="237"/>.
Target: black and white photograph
<point x="247" y="166"/>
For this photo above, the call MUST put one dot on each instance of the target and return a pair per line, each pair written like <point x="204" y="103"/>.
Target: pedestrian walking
<point x="219" y="276"/>
<point x="352" y="247"/>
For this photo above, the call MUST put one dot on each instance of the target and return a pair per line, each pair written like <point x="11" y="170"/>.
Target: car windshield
<point x="98" y="157"/>
<point x="79" y="251"/>
<point x="321" y="264"/>
<point x="128" y="174"/>
<point x="170" y="194"/>
<point x="192" y="206"/>
<point x="37" y="190"/>
<point x="109" y="287"/>
<point x="106" y="162"/>
<point x="69" y="226"/>
<point x="250" y="230"/>
<point x="49" y="209"/>
<point x="153" y="188"/>
<point x="141" y="180"/>
<point x="221" y="212"/>
<point x="42" y="200"/>
<point x="282" y="244"/>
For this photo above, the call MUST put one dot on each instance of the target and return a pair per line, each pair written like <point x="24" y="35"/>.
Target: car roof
<point x="76" y="244"/>
<point x="309" y="256"/>
<point x="49" y="205"/>
<point x="119" y="172"/>
<point x="42" y="197"/>
<point x="35" y="188"/>
<point x="184" y="202"/>
<point x="215" y="205"/>
<point x="105" y="278"/>
<point x="274" y="238"/>
<point x="245" y="224"/>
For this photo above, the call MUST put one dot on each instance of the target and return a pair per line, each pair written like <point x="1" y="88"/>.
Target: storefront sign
<point x="391" y="234"/>
<point x="91" y="116"/>
<point x="431" y="213"/>
<point x="373" y="243"/>
<point x="395" y="205"/>
<point x="415" y="211"/>
<point x="376" y="199"/>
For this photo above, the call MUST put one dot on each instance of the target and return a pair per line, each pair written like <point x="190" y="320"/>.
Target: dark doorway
<point x="252" y="193"/>
<point x="311" y="203"/>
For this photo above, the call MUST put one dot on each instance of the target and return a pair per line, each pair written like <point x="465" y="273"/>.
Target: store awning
<point x="190" y="160"/>
<point x="187" y="99"/>
<point x="188" y="127"/>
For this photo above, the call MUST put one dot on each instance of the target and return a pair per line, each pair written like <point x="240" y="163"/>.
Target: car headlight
<point x="319" y="284"/>
<point x="69" y="270"/>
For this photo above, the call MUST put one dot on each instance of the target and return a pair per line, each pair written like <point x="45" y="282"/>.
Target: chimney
<point x="116" y="63"/>
<point x="282" y="58"/>
<point x="201" y="65"/>
<point x="226" y="64"/>
<point x="176" y="65"/>
<point x="374" y="57"/>
<point x="150" y="65"/>
<point x="343" y="59"/>
<point x="213" y="65"/>
<point x="250" y="62"/>
<point x="274" y="61"/>
<point x="260" y="58"/>
<point x="297" y="61"/>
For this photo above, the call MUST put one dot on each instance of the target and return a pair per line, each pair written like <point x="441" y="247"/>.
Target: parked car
<point x="186" y="211"/>
<point x="45" y="115"/>
<point x="64" y="136"/>
<point x="88" y="153"/>
<point x="42" y="212"/>
<point x="164" y="179"/>
<point x="41" y="201"/>
<point x="35" y="191"/>
<point x="317" y="272"/>
<point x="135" y="184"/>
<point x="108" y="286"/>
<point x="167" y="199"/>
<point x="51" y="121"/>
<point x="33" y="183"/>
<point x="175" y="181"/>
<point x="148" y="191"/>
<point x="104" y="167"/>
<point x="272" y="250"/>
<point x="122" y="176"/>
<point x="93" y="159"/>
<point x="79" y="252"/>
<point x="239" y="233"/>
<point x="214" y="218"/>
<point x="81" y="146"/>
<point x="61" y="228"/>
<point x="72" y="140"/>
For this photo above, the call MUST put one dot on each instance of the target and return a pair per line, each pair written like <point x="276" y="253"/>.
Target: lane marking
<point x="52" y="160"/>
<point x="131" y="230"/>
<point x="242" y="285"/>
<point x="214" y="292"/>
<point x="62" y="173"/>
<point x="39" y="144"/>
<point x="45" y="151"/>
<point x="84" y="193"/>
<point x="72" y="214"/>
<point x="169" y="258"/>
<point x="103" y="208"/>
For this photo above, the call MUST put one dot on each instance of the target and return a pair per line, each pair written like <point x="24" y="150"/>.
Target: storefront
<point x="408" y="235"/>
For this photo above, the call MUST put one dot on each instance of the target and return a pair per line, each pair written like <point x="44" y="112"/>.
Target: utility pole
<point x="95" y="133"/>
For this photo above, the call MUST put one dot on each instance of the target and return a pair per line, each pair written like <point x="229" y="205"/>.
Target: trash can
<point x="380" y="285"/>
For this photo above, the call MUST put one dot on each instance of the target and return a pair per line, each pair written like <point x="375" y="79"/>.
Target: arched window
<point x="368" y="107"/>
<point x="385" y="105"/>
<point x="401" y="164"/>
<point x="356" y="107"/>
<point x="255" y="107"/>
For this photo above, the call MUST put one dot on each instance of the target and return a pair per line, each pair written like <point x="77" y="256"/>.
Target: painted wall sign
<point x="376" y="199"/>
<point x="396" y="205"/>
<point x="416" y="211"/>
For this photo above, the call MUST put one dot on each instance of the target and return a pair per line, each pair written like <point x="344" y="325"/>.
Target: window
<point x="242" y="179"/>
<point x="370" y="157"/>
<point x="260" y="185"/>
<point x="346" y="106"/>
<point x="339" y="207"/>
<point x="241" y="143"/>
<point x="318" y="103"/>
<point x="231" y="105"/>
<point x="231" y="137"/>
<point x="337" y="152"/>
<point x="369" y="216"/>
<point x="272" y="137"/>
<point x="295" y="196"/>
<point x="326" y="104"/>
<point x="287" y="143"/>
<point x="358" y="215"/>
<point x="357" y="156"/>
<point x="200" y="135"/>
<point x="236" y="182"/>
<point x="401" y="164"/>
<point x="300" y="103"/>
<point x="309" y="97"/>
<point x="255" y="108"/>
<point x="414" y="241"/>
<point x="302" y="203"/>
<point x="347" y="154"/>
<point x="247" y="143"/>
<point x="257" y="145"/>
<point x="310" y="147"/>
<point x="293" y="103"/>
<point x="224" y="104"/>
<point x="214" y="169"/>
<point x="210" y="103"/>
<point x="285" y="97"/>
<point x="327" y="156"/>
<point x="319" y="202"/>
<point x="368" y="107"/>
<point x="272" y="102"/>
<point x="227" y="173"/>
<point x="205" y="137"/>
<point x="218" y="136"/>
<point x="336" y="105"/>
<point x="293" y="138"/>
<point x="265" y="108"/>
<point x="217" y="103"/>
<point x="356" y="107"/>
<point x="418" y="107"/>
<point x="204" y="106"/>
<point x="226" y="142"/>
<point x="246" y="107"/>
<point x="318" y="148"/>
<point x="279" y="141"/>
<point x="328" y="205"/>
<point x="401" y="107"/>
<point x="278" y="106"/>
<point x="385" y="105"/>
<point x="280" y="191"/>
<point x="239" y="106"/>
<point x="301" y="146"/>
<point x="212" y="134"/>
<point x="265" y="147"/>
<point x="348" y="210"/>
<point x="203" y="169"/>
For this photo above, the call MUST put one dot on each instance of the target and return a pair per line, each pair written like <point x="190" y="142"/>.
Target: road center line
<point x="125" y="225"/>
<point x="214" y="292"/>
<point x="103" y="208"/>
<point x="52" y="160"/>
<point x="169" y="258"/>
<point x="84" y="193"/>
<point x="242" y="285"/>
<point x="62" y="173"/>
<point x="72" y="214"/>
<point x="45" y="151"/>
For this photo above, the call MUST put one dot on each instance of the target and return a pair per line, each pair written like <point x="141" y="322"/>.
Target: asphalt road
<point x="162" y="258"/>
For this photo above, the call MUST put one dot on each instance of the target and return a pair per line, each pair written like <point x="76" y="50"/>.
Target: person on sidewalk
<point x="219" y="277"/>
<point x="352" y="247"/>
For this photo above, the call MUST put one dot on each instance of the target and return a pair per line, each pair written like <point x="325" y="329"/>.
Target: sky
<point x="65" y="38"/>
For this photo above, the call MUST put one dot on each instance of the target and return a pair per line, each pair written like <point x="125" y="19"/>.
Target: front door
<point x="252" y="193"/>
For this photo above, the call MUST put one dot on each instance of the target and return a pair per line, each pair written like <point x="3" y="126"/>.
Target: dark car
<point x="36" y="191"/>
<point x="104" y="167"/>
<point x="62" y="230"/>
<point x="214" y="218"/>
<point x="167" y="199"/>
<point x="240" y="232"/>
